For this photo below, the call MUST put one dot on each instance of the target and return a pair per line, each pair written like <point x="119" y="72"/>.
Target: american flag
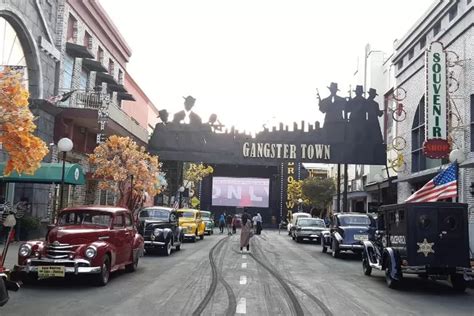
<point x="443" y="186"/>
<point x="176" y="204"/>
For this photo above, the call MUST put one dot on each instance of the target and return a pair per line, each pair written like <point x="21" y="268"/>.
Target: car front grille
<point x="58" y="251"/>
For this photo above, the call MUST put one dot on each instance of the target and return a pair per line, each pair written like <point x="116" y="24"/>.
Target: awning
<point x="105" y="77"/>
<point x="79" y="51"/>
<point x="117" y="87"/>
<point x="126" y="96"/>
<point x="93" y="65"/>
<point x="48" y="173"/>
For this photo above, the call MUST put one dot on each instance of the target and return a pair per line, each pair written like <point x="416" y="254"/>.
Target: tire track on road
<point x="215" y="278"/>
<point x="284" y="283"/>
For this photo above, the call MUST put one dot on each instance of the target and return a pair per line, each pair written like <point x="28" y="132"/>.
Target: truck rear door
<point x="453" y="240"/>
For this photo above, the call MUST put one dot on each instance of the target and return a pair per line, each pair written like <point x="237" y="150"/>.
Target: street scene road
<point x="277" y="277"/>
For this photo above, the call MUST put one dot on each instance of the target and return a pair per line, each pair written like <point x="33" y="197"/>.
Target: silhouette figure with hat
<point x="373" y="113"/>
<point x="357" y="107"/>
<point x="187" y="116"/>
<point x="163" y="115"/>
<point x="334" y="106"/>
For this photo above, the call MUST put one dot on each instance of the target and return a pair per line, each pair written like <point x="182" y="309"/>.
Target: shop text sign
<point x="286" y="151"/>
<point x="436" y="144"/>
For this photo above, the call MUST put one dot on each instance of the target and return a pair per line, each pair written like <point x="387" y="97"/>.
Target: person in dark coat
<point x="374" y="112"/>
<point x="187" y="116"/>
<point x="357" y="107"/>
<point x="229" y="224"/>
<point x="334" y="121"/>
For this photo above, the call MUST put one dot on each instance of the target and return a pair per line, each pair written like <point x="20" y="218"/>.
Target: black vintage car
<point x="427" y="239"/>
<point x="160" y="229"/>
<point x="348" y="231"/>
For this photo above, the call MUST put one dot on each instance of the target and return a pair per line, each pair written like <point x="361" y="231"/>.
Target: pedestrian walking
<point x="246" y="233"/>
<point x="259" y="224"/>
<point x="221" y="223"/>
<point x="229" y="224"/>
<point x="234" y="224"/>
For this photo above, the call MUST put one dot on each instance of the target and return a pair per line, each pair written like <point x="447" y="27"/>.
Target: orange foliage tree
<point x="25" y="150"/>
<point x="124" y="167"/>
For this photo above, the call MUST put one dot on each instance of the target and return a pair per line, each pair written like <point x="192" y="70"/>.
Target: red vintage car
<point x="95" y="240"/>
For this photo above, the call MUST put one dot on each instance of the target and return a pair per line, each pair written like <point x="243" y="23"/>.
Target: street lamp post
<point x="457" y="156"/>
<point x="180" y="190"/>
<point x="64" y="145"/>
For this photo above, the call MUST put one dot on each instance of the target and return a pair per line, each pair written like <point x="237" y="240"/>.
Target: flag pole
<point x="457" y="181"/>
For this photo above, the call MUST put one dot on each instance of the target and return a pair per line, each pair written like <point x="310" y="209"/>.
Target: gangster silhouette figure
<point x="187" y="116"/>
<point x="357" y="107"/>
<point x="373" y="113"/>
<point x="334" y="121"/>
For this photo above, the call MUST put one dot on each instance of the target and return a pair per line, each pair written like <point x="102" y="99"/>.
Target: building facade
<point x="450" y="23"/>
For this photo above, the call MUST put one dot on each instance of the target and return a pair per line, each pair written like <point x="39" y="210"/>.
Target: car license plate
<point x="50" y="272"/>
<point x="361" y="237"/>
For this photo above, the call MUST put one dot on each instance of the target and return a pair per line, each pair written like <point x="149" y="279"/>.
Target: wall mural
<point x="350" y="134"/>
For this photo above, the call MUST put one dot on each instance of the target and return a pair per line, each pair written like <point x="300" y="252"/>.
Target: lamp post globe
<point x="457" y="155"/>
<point x="180" y="190"/>
<point x="65" y="144"/>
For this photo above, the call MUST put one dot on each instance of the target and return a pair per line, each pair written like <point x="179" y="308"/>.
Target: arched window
<point x="11" y="52"/>
<point x="419" y="161"/>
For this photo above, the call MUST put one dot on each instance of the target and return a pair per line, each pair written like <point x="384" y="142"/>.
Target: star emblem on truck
<point x="425" y="247"/>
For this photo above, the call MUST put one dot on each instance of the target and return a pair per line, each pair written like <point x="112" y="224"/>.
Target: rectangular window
<point x="411" y="52"/>
<point x="111" y="67"/>
<point x="120" y="77"/>
<point x="436" y="28"/>
<point x="71" y="29"/>
<point x="128" y="221"/>
<point x="118" y="221"/>
<point x="87" y="40"/>
<point x="422" y="42"/>
<point x="400" y="64"/>
<point x="100" y="55"/>
<point x="453" y="11"/>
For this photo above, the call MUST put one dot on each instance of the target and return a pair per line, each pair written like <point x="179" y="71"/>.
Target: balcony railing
<point x="93" y="100"/>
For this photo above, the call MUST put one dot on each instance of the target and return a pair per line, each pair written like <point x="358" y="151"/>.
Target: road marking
<point x="243" y="279"/>
<point x="244" y="265"/>
<point x="241" y="306"/>
<point x="244" y="256"/>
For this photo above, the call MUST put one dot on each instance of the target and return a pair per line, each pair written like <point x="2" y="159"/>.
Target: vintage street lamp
<point x="379" y="179"/>
<point x="64" y="145"/>
<point x="180" y="190"/>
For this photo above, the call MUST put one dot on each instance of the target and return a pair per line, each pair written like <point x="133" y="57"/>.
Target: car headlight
<point x="24" y="250"/>
<point x="157" y="231"/>
<point x="91" y="252"/>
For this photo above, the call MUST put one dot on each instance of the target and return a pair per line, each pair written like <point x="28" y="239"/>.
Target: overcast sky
<point x="254" y="61"/>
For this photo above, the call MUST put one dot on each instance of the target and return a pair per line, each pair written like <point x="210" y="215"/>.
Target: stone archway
<point x="30" y="51"/>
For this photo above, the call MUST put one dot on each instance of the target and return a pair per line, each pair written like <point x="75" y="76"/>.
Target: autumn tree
<point x="125" y="168"/>
<point x="194" y="173"/>
<point x="25" y="150"/>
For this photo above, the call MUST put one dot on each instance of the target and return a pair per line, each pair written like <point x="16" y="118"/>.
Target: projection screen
<point x="240" y="192"/>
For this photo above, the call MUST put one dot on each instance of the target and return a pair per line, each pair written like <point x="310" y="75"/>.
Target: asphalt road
<point x="211" y="277"/>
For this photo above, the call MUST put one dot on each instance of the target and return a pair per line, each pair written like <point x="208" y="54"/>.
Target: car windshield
<point x="186" y="214"/>
<point x="206" y="215"/>
<point x="354" y="221"/>
<point x="84" y="218"/>
<point x="154" y="213"/>
<point x="311" y="222"/>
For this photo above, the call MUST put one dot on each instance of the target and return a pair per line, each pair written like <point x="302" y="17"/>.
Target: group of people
<point x="250" y="226"/>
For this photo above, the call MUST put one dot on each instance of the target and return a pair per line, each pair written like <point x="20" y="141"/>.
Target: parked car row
<point x="426" y="239"/>
<point x="98" y="240"/>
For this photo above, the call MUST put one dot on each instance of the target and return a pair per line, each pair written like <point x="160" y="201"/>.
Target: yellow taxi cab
<point x="191" y="222"/>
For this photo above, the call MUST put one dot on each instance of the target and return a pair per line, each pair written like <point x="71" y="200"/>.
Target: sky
<point x="254" y="62"/>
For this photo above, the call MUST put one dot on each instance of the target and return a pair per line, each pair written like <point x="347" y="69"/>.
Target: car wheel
<point x="325" y="249"/>
<point x="3" y="292"/>
<point x="103" y="277"/>
<point x="366" y="268"/>
<point x="391" y="282"/>
<point x="335" y="249"/>
<point x="166" y="250"/>
<point x="457" y="282"/>
<point x="132" y="267"/>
